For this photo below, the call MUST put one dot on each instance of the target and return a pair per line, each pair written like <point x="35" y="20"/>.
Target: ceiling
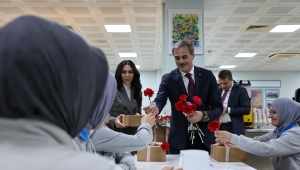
<point x="225" y="22"/>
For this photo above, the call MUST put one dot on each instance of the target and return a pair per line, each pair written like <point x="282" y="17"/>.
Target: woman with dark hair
<point x="128" y="100"/>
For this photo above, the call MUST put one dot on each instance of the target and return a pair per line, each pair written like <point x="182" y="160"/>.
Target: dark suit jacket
<point x="239" y="104"/>
<point x="122" y="105"/>
<point x="206" y="88"/>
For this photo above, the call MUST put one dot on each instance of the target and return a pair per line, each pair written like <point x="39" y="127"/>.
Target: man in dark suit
<point x="236" y="103"/>
<point x="192" y="81"/>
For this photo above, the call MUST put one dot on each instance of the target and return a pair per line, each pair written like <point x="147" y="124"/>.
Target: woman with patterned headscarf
<point x="281" y="144"/>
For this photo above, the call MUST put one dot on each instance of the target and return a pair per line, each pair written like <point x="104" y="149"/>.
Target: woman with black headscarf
<point x="282" y="144"/>
<point x="50" y="84"/>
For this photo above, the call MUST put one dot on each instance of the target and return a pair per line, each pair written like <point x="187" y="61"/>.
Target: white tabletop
<point x="174" y="160"/>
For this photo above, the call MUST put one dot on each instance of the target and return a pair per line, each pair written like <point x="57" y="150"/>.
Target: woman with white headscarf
<point x="51" y="81"/>
<point x="282" y="144"/>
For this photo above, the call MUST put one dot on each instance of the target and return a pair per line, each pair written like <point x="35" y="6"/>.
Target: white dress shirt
<point x="226" y="118"/>
<point x="128" y="90"/>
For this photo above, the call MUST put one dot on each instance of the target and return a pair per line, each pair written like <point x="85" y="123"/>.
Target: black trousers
<point x="197" y="144"/>
<point x="226" y="126"/>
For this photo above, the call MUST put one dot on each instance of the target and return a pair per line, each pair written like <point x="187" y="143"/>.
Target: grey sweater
<point x="118" y="145"/>
<point x="284" y="150"/>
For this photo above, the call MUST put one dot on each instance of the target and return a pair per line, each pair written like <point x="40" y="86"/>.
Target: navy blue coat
<point x="239" y="104"/>
<point x="206" y="88"/>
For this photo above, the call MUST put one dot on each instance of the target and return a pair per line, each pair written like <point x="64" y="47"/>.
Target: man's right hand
<point x="151" y="110"/>
<point x="118" y="123"/>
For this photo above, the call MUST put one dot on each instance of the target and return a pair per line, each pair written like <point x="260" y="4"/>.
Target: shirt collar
<point x="191" y="72"/>
<point x="286" y="129"/>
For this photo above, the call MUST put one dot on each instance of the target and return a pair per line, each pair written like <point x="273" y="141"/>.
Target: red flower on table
<point x="165" y="146"/>
<point x="214" y="126"/>
<point x="163" y="120"/>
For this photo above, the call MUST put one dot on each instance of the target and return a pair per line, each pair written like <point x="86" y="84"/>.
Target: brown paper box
<point x="131" y="120"/>
<point x="160" y="134"/>
<point x="235" y="154"/>
<point x="158" y="137"/>
<point x="159" y="129"/>
<point x="156" y="154"/>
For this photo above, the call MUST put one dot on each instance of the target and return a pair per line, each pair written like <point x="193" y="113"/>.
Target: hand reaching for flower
<point x="223" y="136"/>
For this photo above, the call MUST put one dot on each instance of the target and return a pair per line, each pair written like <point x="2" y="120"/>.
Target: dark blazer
<point x="206" y="88"/>
<point x="122" y="105"/>
<point x="239" y="104"/>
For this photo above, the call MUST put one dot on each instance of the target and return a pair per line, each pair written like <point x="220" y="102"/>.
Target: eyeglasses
<point x="272" y="112"/>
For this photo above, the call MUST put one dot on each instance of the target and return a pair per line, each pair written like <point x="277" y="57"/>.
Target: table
<point x="174" y="160"/>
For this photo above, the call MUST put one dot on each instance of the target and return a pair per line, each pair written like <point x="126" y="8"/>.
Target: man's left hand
<point x="195" y="117"/>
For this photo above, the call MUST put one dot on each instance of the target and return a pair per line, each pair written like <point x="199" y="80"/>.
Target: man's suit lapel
<point x="179" y="81"/>
<point x="125" y="99"/>
<point x="198" y="79"/>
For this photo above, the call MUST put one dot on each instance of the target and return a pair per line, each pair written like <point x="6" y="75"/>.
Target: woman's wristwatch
<point x="205" y="117"/>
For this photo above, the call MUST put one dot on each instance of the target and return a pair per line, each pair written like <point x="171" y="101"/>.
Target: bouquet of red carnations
<point x="187" y="108"/>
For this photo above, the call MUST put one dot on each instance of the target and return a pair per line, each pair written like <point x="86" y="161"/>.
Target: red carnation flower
<point x="197" y="100"/>
<point x="178" y="106"/>
<point x="148" y="92"/>
<point x="214" y="126"/>
<point x="183" y="97"/>
<point x="187" y="108"/>
<point x="165" y="146"/>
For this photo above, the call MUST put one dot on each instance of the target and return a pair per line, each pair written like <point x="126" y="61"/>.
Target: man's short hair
<point x="183" y="43"/>
<point x="224" y="74"/>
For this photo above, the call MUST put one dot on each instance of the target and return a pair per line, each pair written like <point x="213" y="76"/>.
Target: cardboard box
<point x="131" y="120"/>
<point x="160" y="133"/>
<point x="235" y="154"/>
<point x="152" y="154"/>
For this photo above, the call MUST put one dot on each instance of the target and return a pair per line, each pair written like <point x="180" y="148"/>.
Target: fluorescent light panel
<point x="127" y="54"/>
<point x="285" y="28"/>
<point x="117" y="28"/>
<point x="227" y="66"/>
<point x="137" y="66"/>
<point x="245" y="54"/>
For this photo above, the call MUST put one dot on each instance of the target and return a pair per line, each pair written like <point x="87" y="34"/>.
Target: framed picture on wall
<point x="257" y="98"/>
<point x="271" y="94"/>
<point x="186" y="24"/>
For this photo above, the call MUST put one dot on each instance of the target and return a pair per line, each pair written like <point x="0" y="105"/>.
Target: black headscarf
<point x="46" y="71"/>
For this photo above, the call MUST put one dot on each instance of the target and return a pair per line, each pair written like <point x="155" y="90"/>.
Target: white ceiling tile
<point x="236" y="46"/>
<point x="111" y="10"/>
<point x="113" y="20"/>
<point x="290" y="41"/>
<point x="99" y="41"/>
<point x="237" y="20"/>
<point x="120" y="35"/>
<point x="268" y="20"/>
<point x="108" y="1"/>
<point x="265" y="41"/>
<point x="245" y="10"/>
<point x="94" y="35"/>
<point x="144" y="1"/>
<point x="280" y="10"/>
<point x="219" y="2"/>
<point x="223" y="35"/>
<point x="147" y="46"/>
<point x="145" y="28"/>
<point x="249" y="35"/>
<point x="146" y="35"/>
<point x="57" y="19"/>
<point x="84" y="20"/>
<point x="218" y="41"/>
<point x="71" y="1"/>
<point x="280" y="46"/>
<point x="145" y="19"/>
<point x="123" y="41"/>
<point x="124" y="46"/>
<point x="35" y="1"/>
<point x="230" y="28"/>
<point x="11" y="10"/>
<point x="207" y="28"/>
<point x="254" y="1"/>
<point x="144" y="10"/>
<point x="78" y="10"/>
<point x="258" y="46"/>
<point x="5" y="1"/>
<point x="294" y="20"/>
<point x="146" y="41"/>
<point x="213" y="46"/>
<point x="275" y="35"/>
<point x="90" y="28"/>
<point x="215" y="10"/>
<point x="284" y="1"/>
<point x="210" y="19"/>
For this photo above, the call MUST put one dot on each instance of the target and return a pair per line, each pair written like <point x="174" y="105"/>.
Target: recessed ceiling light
<point x="137" y="66"/>
<point x="245" y="54"/>
<point x="285" y="28"/>
<point x="227" y="66"/>
<point x="117" y="28"/>
<point x="127" y="54"/>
